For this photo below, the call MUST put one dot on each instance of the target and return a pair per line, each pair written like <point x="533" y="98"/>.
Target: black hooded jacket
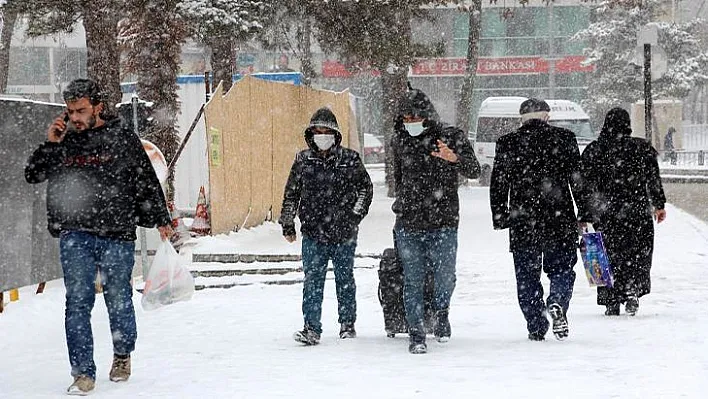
<point x="100" y="181"/>
<point x="330" y="191"/>
<point x="623" y="185"/>
<point x="621" y="173"/>
<point x="535" y="176"/>
<point x="425" y="185"/>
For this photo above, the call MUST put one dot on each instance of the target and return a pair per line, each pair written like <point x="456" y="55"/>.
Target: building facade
<point x="523" y="51"/>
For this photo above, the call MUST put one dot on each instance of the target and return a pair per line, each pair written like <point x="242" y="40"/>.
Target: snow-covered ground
<point x="236" y="343"/>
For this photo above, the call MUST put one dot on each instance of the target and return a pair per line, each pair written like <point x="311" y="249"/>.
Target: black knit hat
<point x="533" y="105"/>
<point x="324" y="117"/>
<point x="416" y="103"/>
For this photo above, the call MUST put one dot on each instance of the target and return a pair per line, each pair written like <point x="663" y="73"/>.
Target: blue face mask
<point x="414" y="129"/>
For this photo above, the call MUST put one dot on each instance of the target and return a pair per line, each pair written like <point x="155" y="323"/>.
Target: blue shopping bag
<point x="597" y="265"/>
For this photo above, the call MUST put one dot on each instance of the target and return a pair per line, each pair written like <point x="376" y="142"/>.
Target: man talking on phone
<point x="101" y="185"/>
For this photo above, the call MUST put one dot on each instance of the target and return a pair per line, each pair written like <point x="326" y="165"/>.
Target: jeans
<point x="82" y="255"/>
<point x="436" y="249"/>
<point x="315" y="257"/>
<point x="558" y="264"/>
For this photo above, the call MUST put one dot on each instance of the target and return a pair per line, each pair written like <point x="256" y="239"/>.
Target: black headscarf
<point x="617" y="125"/>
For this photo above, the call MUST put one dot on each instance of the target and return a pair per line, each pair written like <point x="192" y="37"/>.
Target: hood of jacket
<point x="325" y="118"/>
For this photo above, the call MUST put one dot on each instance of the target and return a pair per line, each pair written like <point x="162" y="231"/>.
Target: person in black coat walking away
<point x="331" y="191"/>
<point x="101" y="184"/>
<point x="429" y="156"/>
<point x="536" y="169"/>
<point x="624" y="190"/>
<point x="669" y="149"/>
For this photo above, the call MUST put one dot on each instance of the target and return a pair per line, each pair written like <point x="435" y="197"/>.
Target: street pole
<point x="141" y="230"/>
<point x="647" y="93"/>
<point x="551" y="55"/>
<point x="207" y="88"/>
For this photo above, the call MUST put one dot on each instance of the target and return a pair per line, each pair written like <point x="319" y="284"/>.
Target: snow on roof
<point x="497" y="107"/>
<point x="5" y="97"/>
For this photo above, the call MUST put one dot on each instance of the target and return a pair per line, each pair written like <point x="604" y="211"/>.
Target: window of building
<point x="29" y="66"/>
<point x="526" y="33"/>
<point x="69" y="64"/>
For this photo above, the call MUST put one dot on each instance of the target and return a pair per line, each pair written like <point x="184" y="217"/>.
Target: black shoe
<point x="347" y="331"/>
<point x="442" y="329"/>
<point x="416" y="339"/>
<point x="612" y="309"/>
<point x="307" y="336"/>
<point x="631" y="305"/>
<point x="537" y="336"/>
<point x="560" y="323"/>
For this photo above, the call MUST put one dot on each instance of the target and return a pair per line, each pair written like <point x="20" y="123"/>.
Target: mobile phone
<point x="60" y="133"/>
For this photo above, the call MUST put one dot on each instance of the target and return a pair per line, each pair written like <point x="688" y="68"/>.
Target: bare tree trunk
<point x="156" y="60"/>
<point x="393" y="85"/>
<point x="304" y="43"/>
<point x="9" y="17"/>
<point x="704" y="105"/>
<point x="464" y="106"/>
<point x="103" y="57"/>
<point x="222" y="61"/>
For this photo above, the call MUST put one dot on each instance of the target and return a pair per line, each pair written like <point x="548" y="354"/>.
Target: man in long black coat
<point x="535" y="169"/>
<point x="621" y="176"/>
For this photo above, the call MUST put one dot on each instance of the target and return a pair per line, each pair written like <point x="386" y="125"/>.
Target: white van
<point x="500" y="115"/>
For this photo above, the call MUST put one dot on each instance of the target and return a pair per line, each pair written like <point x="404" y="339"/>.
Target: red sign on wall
<point x="499" y="66"/>
<point x="335" y="69"/>
<point x="486" y="66"/>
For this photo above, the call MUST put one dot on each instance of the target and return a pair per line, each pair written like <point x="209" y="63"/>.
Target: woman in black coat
<point x="623" y="189"/>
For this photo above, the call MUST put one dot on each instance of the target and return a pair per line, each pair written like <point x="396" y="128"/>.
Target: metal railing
<point x="695" y="159"/>
<point x="695" y="137"/>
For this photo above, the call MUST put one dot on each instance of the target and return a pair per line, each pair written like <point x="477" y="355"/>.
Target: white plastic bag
<point x="168" y="280"/>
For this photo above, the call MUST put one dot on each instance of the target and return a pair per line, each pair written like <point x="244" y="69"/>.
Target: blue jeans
<point x="82" y="254"/>
<point x="558" y="264"/>
<point x="419" y="251"/>
<point x="315" y="257"/>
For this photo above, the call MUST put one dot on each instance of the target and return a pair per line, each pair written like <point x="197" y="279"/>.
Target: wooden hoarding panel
<point x="254" y="132"/>
<point x="289" y="123"/>
<point x="260" y="142"/>
<point x="239" y="158"/>
<point x="214" y="120"/>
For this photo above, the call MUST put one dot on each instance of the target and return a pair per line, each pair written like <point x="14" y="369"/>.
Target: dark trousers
<point x="421" y="251"/>
<point x="315" y="257"/>
<point x="558" y="264"/>
<point x="83" y="255"/>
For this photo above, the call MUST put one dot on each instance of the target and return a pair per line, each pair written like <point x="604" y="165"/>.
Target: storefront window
<point x="525" y="33"/>
<point x="29" y="66"/>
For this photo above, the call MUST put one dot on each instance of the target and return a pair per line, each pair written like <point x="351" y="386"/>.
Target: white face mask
<point x="414" y="129"/>
<point x="324" y="141"/>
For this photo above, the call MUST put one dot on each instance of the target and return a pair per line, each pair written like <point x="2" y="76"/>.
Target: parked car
<point x="373" y="149"/>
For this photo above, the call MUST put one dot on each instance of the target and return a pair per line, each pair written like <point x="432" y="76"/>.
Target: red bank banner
<point x="486" y="66"/>
<point x="499" y="66"/>
<point x="334" y="69"/>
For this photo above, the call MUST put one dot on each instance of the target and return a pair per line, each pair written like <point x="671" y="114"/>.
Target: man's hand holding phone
<point x="58" y="129"/>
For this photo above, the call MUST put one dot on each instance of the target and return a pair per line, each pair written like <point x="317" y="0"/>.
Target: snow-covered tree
<point x="374" y="34"/>
<point x="288" y="27"/>
<point x="152" y="36"/>
<point x="100" y="21"/>
<point x="612" y="40"/>
<point x="219" y="24"/>
<point x="9" y="11"/>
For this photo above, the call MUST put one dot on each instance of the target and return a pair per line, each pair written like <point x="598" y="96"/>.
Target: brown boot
<point x="82" y="386"/>
<point x="120" y="370"/>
